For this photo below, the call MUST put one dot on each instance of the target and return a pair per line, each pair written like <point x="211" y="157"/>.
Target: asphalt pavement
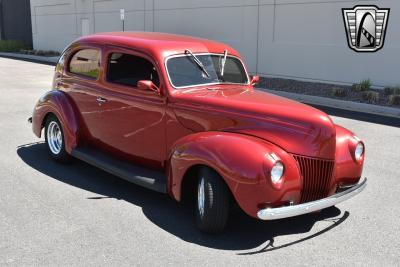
<point x="77" y="215"/>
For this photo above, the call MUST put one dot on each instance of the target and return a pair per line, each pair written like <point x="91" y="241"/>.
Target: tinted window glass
<point x="128" y="70"/>
<point x="86" y="62"/>
<point x="184" y="71"/>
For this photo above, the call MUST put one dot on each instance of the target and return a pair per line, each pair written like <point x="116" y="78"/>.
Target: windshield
<point x="184" y="71"/>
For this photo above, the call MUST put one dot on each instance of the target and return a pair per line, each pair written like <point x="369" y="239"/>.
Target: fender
<point x="242" y="161"/>
<point x="58" y="103"/>
<point x="347" y="169"/>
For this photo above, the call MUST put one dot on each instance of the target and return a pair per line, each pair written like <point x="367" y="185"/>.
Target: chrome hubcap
<point x="54" y="138"/>
<point x="201" y="197"/>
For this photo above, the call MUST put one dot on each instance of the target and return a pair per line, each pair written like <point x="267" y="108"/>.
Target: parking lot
<point x="75" y="214"/>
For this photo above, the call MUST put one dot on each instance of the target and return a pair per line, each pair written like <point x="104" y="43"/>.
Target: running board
<point x="148" y="178"/>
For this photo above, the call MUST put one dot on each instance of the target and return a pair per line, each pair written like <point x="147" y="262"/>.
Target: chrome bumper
<point x="291" y="211"/>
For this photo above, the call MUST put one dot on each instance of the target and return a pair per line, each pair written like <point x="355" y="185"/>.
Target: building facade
<point x="299" y="39"/>
<point x="15" y="21"/>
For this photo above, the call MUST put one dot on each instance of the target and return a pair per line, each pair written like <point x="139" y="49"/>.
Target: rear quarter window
<point x="86" y="62"/>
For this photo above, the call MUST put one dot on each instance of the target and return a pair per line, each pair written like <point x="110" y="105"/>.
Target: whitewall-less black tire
<point x="212" y="205"/>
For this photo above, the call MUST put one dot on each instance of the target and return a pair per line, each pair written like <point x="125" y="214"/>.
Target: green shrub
<point x="364" y="85"/>
<point x="370" y="96"/>
<point x="11" y="46"/>
<point x="394" y="100"/>
<point x="339" y="92"/>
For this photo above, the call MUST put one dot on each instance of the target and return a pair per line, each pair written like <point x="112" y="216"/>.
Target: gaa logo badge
<point x="366" y="27"/>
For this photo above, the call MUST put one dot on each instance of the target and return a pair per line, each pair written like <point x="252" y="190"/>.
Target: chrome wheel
<point x="54" y="137"/>
<point x="201" y="197"/>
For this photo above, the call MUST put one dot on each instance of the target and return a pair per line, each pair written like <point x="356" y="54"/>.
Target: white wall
<point x="301" y="39"/>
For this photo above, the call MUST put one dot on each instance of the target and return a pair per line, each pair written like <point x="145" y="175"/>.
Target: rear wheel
<point x="54" y="137"/>
<point x="213" y="197"/>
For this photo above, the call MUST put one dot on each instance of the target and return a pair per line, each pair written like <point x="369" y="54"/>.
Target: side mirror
<point x="148" y="85"/>
<point x="254" y="80"/>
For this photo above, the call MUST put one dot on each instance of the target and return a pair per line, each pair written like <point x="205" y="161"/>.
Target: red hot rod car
<point x="179" y="115"/>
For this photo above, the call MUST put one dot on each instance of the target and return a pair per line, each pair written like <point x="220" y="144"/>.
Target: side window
<point x="86" y="62"/>
<point x="128" y="70"/>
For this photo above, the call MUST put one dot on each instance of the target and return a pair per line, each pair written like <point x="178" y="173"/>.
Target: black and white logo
<point x="366" y="27"/>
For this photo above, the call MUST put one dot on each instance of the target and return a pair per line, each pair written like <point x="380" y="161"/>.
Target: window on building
<point x="127" y="69"/>
<point x="86" y="62"/>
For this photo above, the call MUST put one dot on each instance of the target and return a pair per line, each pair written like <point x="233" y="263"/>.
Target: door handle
<point x="101" y="100"/>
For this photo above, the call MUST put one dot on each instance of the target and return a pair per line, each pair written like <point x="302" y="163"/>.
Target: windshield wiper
<point x="198" y="62"/>
<point x="223" y="62"/>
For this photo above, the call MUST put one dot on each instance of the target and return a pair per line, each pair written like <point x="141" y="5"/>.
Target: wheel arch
<point x="189" y="180"/>
<point x="214" y="150"/>
<point x="57" y="103"/>
<point x="46" y="117"/>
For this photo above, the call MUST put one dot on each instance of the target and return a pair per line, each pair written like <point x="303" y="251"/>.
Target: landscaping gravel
<point x="323" y="90"/>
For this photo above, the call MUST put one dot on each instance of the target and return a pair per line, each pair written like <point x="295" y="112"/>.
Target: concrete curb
<point x="339" y="104"/>
<point x="308" y="99"/>
<point x="38" y="59"/>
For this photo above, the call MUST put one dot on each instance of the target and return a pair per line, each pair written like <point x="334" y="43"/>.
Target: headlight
<point x="277" y="172"/>
<point x="359" y="151"/>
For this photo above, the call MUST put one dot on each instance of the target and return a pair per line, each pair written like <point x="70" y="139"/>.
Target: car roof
<point x="159" y="44"/>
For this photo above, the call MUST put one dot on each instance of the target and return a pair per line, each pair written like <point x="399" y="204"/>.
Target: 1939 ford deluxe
<point x="180" y="115"/>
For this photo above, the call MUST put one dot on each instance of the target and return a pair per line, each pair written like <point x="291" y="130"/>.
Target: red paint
<point x="232" y="129"/>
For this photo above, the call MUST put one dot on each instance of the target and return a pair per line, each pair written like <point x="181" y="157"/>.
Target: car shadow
<point x="243" y="233"/>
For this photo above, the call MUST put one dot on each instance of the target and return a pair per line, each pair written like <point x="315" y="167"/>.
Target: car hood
<point x="295" y="127"/>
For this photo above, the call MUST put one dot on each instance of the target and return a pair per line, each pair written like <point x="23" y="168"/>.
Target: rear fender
<point x="58" y="103"/>
<point x="242" y="161"/>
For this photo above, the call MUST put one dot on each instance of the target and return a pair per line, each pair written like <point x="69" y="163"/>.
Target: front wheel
<point x="54" y="136"/>
<point x="213" y="197"/>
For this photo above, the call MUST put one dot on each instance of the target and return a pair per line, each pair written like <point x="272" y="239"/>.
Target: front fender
<point x="242" y="161"/>
<point x="59" y="104"/>
<point x="347" y="169"/>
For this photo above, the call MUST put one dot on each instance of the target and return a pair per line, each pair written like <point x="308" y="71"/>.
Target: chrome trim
<point x="101" y="100"/>
<point x="347" y="186"/>
<point x="291" y="211"/>
<point x="204" y="84"/>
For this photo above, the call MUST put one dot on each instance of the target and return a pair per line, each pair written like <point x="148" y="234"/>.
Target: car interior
<point x="128" y="69"/>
